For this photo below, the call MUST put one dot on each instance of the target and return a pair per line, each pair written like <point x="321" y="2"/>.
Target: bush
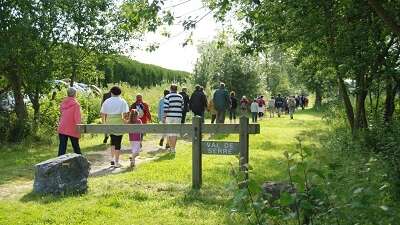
<point x="384" y="140"/>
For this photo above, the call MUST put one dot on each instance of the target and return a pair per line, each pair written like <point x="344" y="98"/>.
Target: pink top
<point x="135" y="136"/>
<point x="70" y="117"/>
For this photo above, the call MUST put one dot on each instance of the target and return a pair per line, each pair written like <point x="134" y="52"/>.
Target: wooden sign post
<point x="196" y="153"/>
<point x="218" y="148"/>
<point x="196" y="129"/>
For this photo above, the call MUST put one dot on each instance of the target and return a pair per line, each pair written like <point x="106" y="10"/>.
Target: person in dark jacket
<point x="233" y="108"/>
<point x="105" y="97"/>
<point x="185" y="103"/>
<point x="279" y="104"/>
<point x="222" y="102"/>
<point x="198" y="102"/>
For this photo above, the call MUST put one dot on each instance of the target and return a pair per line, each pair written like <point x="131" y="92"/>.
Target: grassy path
<point x="158" y="192"/>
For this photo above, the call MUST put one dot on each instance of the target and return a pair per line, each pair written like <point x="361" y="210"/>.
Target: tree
<point x="347" y="36"/>
<point x="224" y="63"/>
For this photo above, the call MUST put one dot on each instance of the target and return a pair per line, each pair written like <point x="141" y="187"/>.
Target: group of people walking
<point x="173" y="107"/>
<point x="286" y="105"/>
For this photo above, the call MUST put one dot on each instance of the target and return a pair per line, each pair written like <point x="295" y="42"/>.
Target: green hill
<point x="118" y="68"/>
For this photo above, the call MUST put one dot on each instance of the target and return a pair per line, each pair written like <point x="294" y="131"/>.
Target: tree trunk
<point x="361" y="121"/>
<point x="389" y="101"/>
<point x="362" y="92"/>
<point x="318" y="97"/>
<point x="347" y="103"/>
<point x="384" y="15"/>
<point x="73" y="75"/>
<point x="36" y="110"/>
<point x="20" y="108"/>
<point x="19" y="131"/>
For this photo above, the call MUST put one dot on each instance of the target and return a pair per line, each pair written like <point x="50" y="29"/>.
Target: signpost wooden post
<point x="199" y="147"/>
<point x="196" y="153"/>
<point x="244" y="146"/>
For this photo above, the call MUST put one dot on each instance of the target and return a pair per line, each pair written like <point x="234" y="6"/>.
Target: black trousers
<point x="201" y="114"/>
<point x="116" y="141"/>
<point x="213" y="118"/>
<point x="254" y="117"/>
<point x="183" y="117"/>
<point x="232" y="114"/>
<point x="62" y="148"/>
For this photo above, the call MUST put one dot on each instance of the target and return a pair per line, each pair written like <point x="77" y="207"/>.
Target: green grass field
<point x="157" y="192"/>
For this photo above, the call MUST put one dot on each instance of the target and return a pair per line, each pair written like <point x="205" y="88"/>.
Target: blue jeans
<point x="62" y="148"/>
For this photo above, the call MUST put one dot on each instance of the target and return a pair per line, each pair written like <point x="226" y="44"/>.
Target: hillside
<point x="119" y="68"/>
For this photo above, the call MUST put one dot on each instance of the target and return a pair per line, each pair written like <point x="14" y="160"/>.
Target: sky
<point x="170" y="53"/>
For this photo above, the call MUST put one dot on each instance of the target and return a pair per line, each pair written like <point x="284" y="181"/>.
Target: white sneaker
<point x="117" y="165"/>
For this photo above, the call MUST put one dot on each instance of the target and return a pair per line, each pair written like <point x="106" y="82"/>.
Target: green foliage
<point x="118" y="68"/>
<point x="331" y="40"/>
<point x="223" y="63"/>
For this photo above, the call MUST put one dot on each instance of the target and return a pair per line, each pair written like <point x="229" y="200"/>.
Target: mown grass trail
<point x="160" y="192"/>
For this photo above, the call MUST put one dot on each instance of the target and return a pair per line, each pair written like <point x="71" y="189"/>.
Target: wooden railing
<point x="196" y="129"/>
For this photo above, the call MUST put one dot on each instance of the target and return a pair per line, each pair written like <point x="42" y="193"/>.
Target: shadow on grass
<point x="98" y="147"/>
<point x="315" y="135"/>
<point x="206" y="197"/>
<point x="166" y="156"/>
<point x="49" y="198"/>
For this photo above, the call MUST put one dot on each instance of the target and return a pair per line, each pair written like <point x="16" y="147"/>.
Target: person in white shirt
<point x="115" y="111"/>
<point x="254" y="110"/>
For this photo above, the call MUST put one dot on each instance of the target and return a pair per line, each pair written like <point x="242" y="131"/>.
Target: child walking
<point x="134" y="138"/>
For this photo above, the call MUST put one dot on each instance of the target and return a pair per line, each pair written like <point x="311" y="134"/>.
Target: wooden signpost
<point x="199" y="147"/>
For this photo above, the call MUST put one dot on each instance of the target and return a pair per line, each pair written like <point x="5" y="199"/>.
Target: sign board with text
<point x="220" y="148"/>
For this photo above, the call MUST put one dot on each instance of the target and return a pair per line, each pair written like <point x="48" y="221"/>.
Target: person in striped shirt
<point x="173" y="109"/>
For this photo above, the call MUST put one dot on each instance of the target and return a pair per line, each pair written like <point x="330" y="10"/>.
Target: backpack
<point x="140" y="110"/>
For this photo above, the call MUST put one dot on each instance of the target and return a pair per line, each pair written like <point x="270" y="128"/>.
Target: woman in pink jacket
<point x="70" y="117"/>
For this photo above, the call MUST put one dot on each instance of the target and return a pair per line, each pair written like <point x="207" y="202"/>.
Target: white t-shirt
<point x="114" y="105"/>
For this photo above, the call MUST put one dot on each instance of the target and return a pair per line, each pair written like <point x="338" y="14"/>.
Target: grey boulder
<point x="64" y="174"/>
<point x="272" y="190"/>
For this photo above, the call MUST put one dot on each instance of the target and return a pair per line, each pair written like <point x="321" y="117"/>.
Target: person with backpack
<point x="142" y="109"/>
<point x="279" y="104"/>
<point x="186" y="100"/>
<point x="198" y="102"/>
<point x="291" y="102"/>
<point x="233" y="108"/>
<point x="222" y="102"/>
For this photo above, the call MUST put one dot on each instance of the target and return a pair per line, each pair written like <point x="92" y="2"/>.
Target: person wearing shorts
<point x="114" y="111"/>
<point x="173" y="108"/>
